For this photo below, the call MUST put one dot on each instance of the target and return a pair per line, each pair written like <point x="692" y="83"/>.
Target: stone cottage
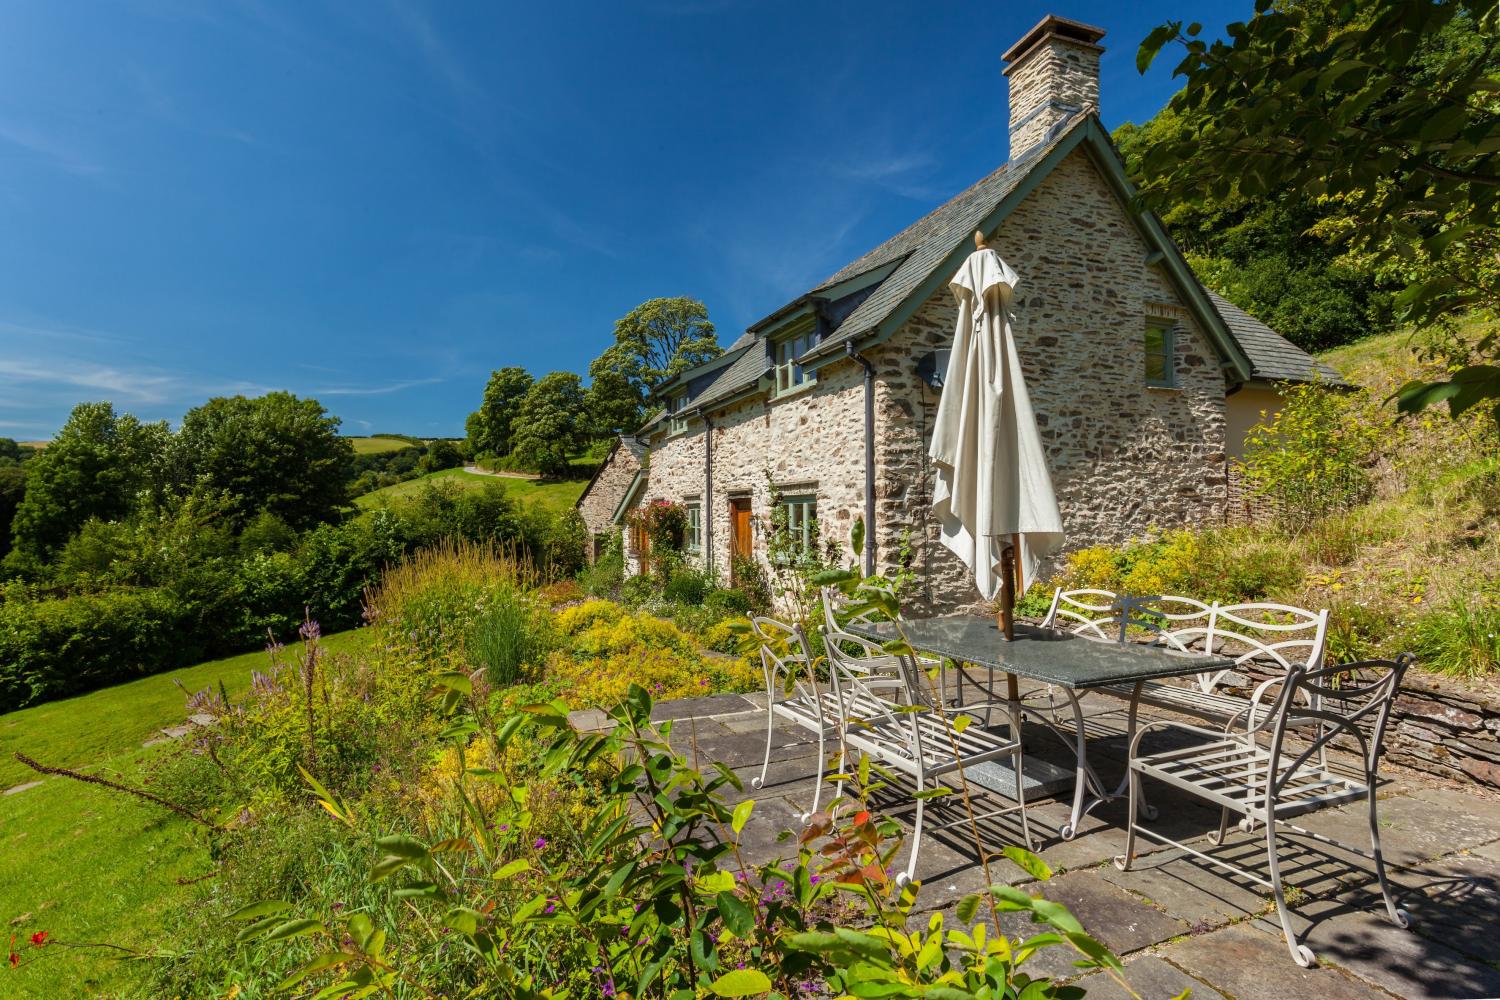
<point x="1144" y="383"/>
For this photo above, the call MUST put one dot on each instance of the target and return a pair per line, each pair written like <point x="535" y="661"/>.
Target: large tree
<point x="97" y="467"/>
<point x="549" y="427"/>
<point x="1265" y="254"/>
<point x="654" y="341"/>
<point x="488" y="427"/>
<point x="274" y="453"/>
<point x="1387" y="112"/>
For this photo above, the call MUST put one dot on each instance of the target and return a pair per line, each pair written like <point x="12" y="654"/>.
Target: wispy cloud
<point x="905" y="174"/>
<point x="47" y="147"/>
<point x="435" y="52"/>
<point x="141" y="386"/>
<point x="374" y="390"/>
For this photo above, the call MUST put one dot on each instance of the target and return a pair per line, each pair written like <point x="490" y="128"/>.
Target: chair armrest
<point x="1165" y="724"/>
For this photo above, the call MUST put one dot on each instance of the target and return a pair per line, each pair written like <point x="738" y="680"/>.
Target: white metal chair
<point x="916" y="738"/>
<point x="876" y="660"/>
<point x="792" y="693"/>
<point x="1269" y="785"/>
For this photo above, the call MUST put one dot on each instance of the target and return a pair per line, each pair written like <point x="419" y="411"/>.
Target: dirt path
<point x="477" y="471"/>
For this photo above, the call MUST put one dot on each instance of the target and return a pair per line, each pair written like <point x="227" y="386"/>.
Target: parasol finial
<point x="978" y="239"/>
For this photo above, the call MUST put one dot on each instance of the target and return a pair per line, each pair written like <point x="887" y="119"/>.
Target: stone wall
<point x="598" y="504"/>
<point x="1124" y="458"/>
<point x="811" y="441"/>
<point x="1447" y="727"/>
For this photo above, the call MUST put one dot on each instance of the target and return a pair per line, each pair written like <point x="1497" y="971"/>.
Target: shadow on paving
<point x="1178" y="922"/>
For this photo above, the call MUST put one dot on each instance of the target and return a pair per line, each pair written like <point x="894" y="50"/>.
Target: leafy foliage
<point x="1313" y="456"/>
<point x="654" y="341"/>
<point x="95" y="467"/>
<point x="490" y="428"/>
<point x="546" y="430"/>
<point x="1386" y="113"/>
<point x="274" y="453"/>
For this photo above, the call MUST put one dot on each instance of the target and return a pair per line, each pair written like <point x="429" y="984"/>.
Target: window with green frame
<point x="677" y="414"/>
<point x="784" y="354"/>
<point x="694" y="535"/>
<point x="799" y="527"/>
<point x="1161" y="371"/>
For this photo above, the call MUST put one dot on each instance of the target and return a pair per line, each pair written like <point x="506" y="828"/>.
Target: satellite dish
<point x="933" y="366"/>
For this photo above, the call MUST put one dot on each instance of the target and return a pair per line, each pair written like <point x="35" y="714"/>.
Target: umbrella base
<point x="1042" y="777"/>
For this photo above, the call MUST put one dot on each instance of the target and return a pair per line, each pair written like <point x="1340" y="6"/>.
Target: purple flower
<point x="541" y="842"/>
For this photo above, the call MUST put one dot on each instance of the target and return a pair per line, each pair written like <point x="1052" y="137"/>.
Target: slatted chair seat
<point x="887" y="737"/>
<point x="1232" y="773"/>
<point x="912" y="733"/>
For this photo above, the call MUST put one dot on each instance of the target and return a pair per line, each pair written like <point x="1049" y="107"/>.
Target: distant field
<point x="377" y="445"/>
<point x="554" y="496"/>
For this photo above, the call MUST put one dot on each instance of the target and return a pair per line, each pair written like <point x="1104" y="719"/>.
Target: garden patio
<point x="1176" y="922"/>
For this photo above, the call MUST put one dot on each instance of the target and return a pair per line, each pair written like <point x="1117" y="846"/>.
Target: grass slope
<point x="551" y="495"/>
<point x="377" y="445"/>
<point x="90" y="865"/>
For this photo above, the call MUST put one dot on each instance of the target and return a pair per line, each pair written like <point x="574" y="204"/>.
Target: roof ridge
<point x="851" y="269"/>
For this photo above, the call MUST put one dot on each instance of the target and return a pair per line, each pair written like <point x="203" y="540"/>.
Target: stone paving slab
<point x="1149" y="977"/>
<point x="1244" y="963"/>
<point x="1401" y="961"/>
<point x="1178" y="922"/>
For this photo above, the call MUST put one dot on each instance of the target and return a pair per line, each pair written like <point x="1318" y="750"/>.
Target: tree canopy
<point x="547" y="430"/>
<point x="94" y="468"/>
<point x="1386" y="114"/>
<point x="654" y="341"/>
<point x="274" y="453"/>
<point x="489" y="427"/>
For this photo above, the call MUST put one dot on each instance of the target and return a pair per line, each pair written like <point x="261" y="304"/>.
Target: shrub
<point x="53" y="648"/>
<point x="687" y="586"/>
<point x="1313" y="457"/>
<point x="1462" y="638"/>
<point x="725" y="602"/>
<point x="508" y="637"/>
<point x="1228" y="565"/>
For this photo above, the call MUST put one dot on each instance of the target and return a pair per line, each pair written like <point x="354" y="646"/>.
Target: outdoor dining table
<point x="1071" y="664"/>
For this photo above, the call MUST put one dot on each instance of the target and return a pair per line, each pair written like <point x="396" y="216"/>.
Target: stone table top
<point x="1041" y="654"/>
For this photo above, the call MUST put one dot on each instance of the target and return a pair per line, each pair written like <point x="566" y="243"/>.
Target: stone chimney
<point x="1053" y="73"/>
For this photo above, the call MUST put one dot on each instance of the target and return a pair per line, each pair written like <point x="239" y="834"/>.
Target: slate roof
<point x="1273" y="357"/>
<point x="918" y="250"/>
<point x="924" y="244"/>
<point x="744" y="372"/>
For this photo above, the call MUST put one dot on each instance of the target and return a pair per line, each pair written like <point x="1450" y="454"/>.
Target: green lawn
<point x="92" y="866"/>
<point x="376" y="445"/>
<point x="552" y="495"/>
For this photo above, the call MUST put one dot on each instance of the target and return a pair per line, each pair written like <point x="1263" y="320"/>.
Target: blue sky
<point x="376" y="202"/>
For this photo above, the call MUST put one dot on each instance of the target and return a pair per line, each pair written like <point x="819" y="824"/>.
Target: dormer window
<point x="677" y="414"/>
<point x="784" y="354"/>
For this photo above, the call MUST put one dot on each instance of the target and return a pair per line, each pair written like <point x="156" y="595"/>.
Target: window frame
<point x="787" y="376"/>
<point x="1167" y="354"/>
<point x="801" y="515"/>
<point x="677" y="414"/>
<point x="692" y="542"/>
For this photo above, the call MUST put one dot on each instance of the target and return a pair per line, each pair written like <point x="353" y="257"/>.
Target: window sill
<point x="777" y="397"/>
<point x="1164" y="388"/>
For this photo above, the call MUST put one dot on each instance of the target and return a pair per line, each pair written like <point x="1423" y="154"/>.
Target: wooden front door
<point x="739" y="528"/>
<point x="641" y="543"/>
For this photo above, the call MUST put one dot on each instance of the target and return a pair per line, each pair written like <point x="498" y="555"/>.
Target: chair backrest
<point x="785" y="658"/>
<point x="1352" y="700"/>
<point x="1276" y="635"/>
<point x="859" y="694"/>
<point x="1176" y="622"/>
